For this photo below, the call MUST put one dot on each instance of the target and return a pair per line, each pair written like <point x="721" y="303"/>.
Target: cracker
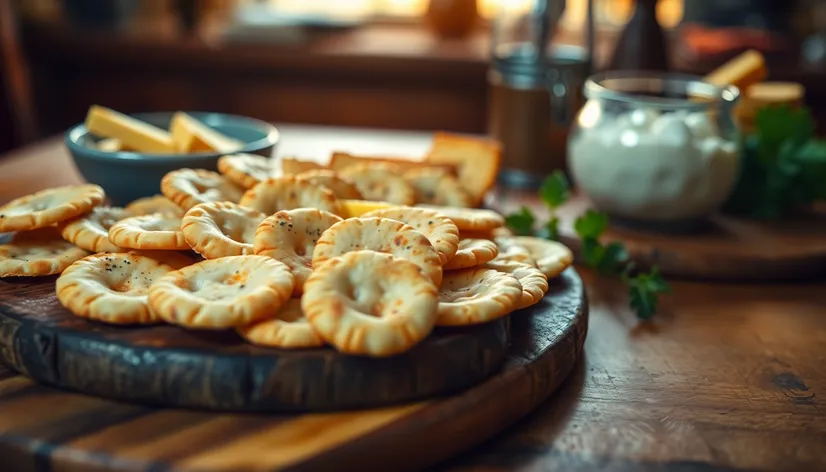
<point x="111" y="288"/>
<point x="472" y="253"/>
<point x="436" y="187"/>
<point x="288" y="328"/>
<point x="292" y="166"/>
<point x="290" y="236"/>
<point x="155" y="231"/>
<point x="288" y="193"/>
<point x="189" y="187"/>
<point x="245" y="170"/>
<point x="510" y="251"/>
<point x="91" y="231"/>
<point x="341" y="187"/>
<point x="477" y="160"/>
<point x="37" y="252"/>
<point x="175" y="259"/>
<point x="470" y="219"/>
<point x="380" y="235"/>
<point x="154" y="204"/>
<point x="551" y="257"/>
<point x="478" y="295"/>
<point x="371" y="304"/>
<point x="442" y="233"/>
<point x="222" y="293"/>
<point x="50" y="206"/>
<point x="533" y="281"/>
<point x="492" y="234"/>
<point x="221" y="229"/>
<point x="381" y="182"/>
<point x="342" y="160"/>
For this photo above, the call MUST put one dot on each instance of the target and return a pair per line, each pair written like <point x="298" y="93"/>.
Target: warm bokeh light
<point x="608" y="12"/>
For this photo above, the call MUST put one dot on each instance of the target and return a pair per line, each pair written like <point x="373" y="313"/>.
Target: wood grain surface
<point x="81" y="432"/>
<point x="726" y="249"/>
<point x="727" y="377"/>
<point x="170" y="366"/>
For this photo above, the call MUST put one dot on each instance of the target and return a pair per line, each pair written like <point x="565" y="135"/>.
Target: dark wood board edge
<point x="72" y="360"/>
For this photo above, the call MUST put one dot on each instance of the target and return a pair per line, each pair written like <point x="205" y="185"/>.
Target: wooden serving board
<point x="727" y="249"/>
<point x="170" y="366"/>
<point x="42" y="428"/>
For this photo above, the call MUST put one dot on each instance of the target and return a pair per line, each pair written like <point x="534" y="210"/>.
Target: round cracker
<point x="340" y="186"/>
<point x="222" y="293"/>
<point x="533" y="281"/>
<point x="472" y="253"/>
<point x="156" y="231"/>
<point x="38" y="252"/>
<point x="372" y="304"/>
<point x="189" y="187"/>
<point x="154" y="204"/>
<point x="439" y="229"/>
<point x="551" y="257"/>
<point x="510" y="251"/>
<point x="470" y="219"/>
<point x="288" y="329"/>
<point x="437" y="187"/>
<point x="50" y="206"/>
<point x="381" y="183"/>
<point x="175" y="259"/>
<point x="111" y="288"/>
<point x="221" y="229"/>
<point x="245" y="170"/>
<point x="290" y="236"/>
<point x="91" y="231"/>
<point x="288" y="193"/>
<point x="478" y="295"/>
<point x="380" y="235"/>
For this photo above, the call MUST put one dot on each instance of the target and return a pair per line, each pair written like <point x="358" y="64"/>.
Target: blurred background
<point x="405" y="64"/>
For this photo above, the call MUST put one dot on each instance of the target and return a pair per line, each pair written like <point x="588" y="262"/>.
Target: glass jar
<point x="655" y="148"/>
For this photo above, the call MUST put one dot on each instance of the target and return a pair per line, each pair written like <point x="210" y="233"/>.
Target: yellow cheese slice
<point x="776" y="93"/>
<point x="132" y="133"/>
<point x="190" y="135"/>
<point x="355" y="208"/>
<point x="743" y="71"/>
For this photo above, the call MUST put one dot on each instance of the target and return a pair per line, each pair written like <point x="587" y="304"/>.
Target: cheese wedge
<point x="190" y="135"/>
<point x="356" y="208"/>
<point x="743" y="71"/>
<point x="132" y="133"/>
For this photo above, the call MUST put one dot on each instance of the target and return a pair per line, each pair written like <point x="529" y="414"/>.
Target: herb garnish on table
<point x="607" y="259"/>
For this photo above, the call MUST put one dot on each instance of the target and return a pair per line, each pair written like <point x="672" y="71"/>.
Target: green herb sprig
<point x="607" y="259"/>
<point x="783" y="165"/>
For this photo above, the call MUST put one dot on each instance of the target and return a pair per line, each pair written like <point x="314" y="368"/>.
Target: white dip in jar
<point x="652" y="163"/>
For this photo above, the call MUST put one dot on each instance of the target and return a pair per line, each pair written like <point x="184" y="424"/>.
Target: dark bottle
<point x="642" y="44"/>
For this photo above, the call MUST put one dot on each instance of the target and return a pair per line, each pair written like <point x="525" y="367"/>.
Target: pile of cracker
<point x="287" y="262"/>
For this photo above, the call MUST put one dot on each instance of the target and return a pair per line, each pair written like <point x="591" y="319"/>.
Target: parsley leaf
<point x="591" y="224"/>
<point x="643" y="291"/>
<point x="551" y="230"/>
<point x="554" y="190"/>
<point x="782" y="166"/>
<point x="521" y="222"/>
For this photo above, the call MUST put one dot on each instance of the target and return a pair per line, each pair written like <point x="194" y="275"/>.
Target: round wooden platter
<point x="42" y="428"/>
<point x="726" y="249"/>
<point x="170" y="366"/>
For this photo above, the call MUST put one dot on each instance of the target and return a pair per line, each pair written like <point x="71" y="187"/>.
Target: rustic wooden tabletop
<point x="728" y="376"/>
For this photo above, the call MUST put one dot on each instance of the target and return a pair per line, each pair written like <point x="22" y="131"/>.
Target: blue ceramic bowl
<point x="127" y="176"/>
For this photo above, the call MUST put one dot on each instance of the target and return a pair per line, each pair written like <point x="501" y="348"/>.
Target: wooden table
<point x="728" y="377"/>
